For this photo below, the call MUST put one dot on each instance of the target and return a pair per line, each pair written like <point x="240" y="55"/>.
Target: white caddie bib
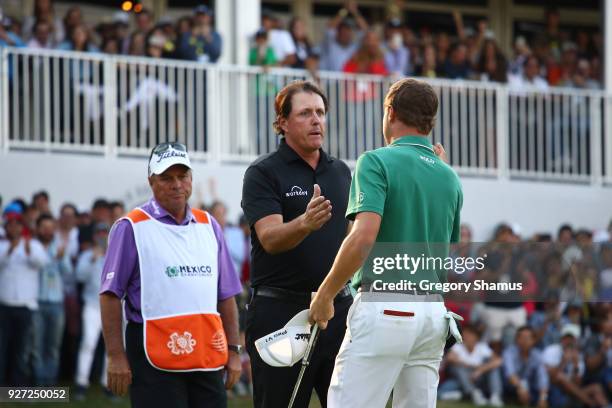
<point x="178" y="283"/>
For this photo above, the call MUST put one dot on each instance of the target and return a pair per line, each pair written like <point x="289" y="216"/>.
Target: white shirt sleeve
<point x="484" y="351"/>
<point x="288" y="44"/>
<point x="551" y="356"/>
<point x="84" y="266"/>
<point x="461" y="352"/>
<point x="581" y="366"/>
<point x="4" y="255"/>
<point x="541" y="83"/>
<point x="38" y="255"/>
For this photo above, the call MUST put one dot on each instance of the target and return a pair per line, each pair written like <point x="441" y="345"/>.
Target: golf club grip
<point x="311" y="345"/>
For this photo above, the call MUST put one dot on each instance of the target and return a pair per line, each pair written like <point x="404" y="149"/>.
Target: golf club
<point x="305" y="361"/>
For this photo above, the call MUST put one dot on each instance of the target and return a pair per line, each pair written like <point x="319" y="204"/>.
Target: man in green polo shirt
<point x="403" y="193"/>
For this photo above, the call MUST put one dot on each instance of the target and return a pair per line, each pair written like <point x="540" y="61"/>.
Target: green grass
<point x="96" y="399"/>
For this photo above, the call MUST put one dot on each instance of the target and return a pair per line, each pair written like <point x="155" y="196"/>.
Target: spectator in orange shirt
<point x="369" y="58"/>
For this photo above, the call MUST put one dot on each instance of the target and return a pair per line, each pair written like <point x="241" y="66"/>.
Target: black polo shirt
<point x="282" y="183"/>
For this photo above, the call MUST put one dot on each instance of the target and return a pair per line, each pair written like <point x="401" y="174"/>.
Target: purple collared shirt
<point x="121" y="271"/>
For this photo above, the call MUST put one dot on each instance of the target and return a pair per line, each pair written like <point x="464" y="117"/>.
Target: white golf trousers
<point x="382" y="352"/>
<point x="91" y="329"/>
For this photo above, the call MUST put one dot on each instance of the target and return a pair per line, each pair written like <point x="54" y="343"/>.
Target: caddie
<point x="171" y="266"/>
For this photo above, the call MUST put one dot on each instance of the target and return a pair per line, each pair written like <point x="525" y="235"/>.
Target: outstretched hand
<point x="318" y="211"/>
<point x="440" y="152"/>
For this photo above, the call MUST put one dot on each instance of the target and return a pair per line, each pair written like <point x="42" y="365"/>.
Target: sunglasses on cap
<point x="163" y="147"/>
<point x="166" y="148"/>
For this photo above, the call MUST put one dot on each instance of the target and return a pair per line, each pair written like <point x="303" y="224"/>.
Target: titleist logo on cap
<point x="171" y="153"/>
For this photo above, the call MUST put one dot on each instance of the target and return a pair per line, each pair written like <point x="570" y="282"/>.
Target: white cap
<point x="121" y="17"/>
<point x="601" y="236"/>
<point x="285" y="347"/>
<point x="157" y="41"/>
<point x="160" y="162"/>
<point x="571" y="329"/>
<point x="571" y="255"/>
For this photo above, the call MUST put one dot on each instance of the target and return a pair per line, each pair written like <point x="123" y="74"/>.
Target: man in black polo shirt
<point x="294" y="200"/>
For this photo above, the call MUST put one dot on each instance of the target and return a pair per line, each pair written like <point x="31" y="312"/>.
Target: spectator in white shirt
<point x="50" y="318"/>
<point x="530" y="78"/>
<point x="41" y="38"/>
<point x="43" y="11"/>
<point x="397" y="55"/>
<point x="88" y="272"/>
<point x="21" y="261"/>
<point x="340" y="43"/>
<point x="67" y="233"/>
<point x="565" y="365"/>
<point x="521" y="53"/>
<point x="279" y="39"/>
<point x="474" y="365"/>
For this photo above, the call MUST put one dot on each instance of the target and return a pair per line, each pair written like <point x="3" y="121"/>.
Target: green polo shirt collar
<point x="413" y="140"/>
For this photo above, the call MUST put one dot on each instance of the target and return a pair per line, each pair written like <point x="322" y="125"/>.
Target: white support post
<point x="46" y="108"/>
<point x="596" y="139"/>
<point x="236" y="22"/>
<point x="4" y="103"/>
<point x="607" y="140"/>
<point x="501" y="128"/>
<point x="213" y="129"/>
<point x="245" y="131"/>
<point x="111" y="117"/>
<point x="224" y="25"/>
<point x="607" y="62"/>
<point x="247" y="18"/>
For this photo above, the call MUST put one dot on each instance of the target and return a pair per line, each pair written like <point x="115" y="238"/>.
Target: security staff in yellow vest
<point x="170" y="264"/>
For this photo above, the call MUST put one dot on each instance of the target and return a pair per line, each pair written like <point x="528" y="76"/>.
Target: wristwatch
<point x="236" y="348"/>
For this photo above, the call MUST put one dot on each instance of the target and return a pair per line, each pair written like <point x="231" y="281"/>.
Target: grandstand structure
<point x="81" y="124"/>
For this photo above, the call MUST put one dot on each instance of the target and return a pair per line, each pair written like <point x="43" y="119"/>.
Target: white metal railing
<point x="119" y="105"/>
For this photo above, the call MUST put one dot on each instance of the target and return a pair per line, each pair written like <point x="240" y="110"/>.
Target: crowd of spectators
<point x="551" y="351"/>
<point x="50" y="274"/>
<point x="191" y="37"/>
<point x="550" y="344"/>
<point x="351" y="43"/>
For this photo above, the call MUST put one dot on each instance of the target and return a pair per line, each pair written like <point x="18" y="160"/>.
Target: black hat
<point x="267" y="13"/>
